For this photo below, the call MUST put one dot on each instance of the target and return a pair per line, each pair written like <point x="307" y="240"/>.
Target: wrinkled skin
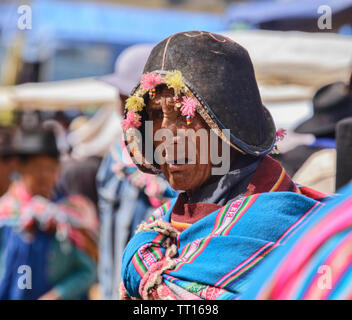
<point x="188" y="177"/>
<point x="40" y="174"/>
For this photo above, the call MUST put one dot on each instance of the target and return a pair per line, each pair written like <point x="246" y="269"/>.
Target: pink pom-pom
<point x="132" y="121"/>
<point x="189" y="106"/>
<point x="150" y="80"/>
<point x="280" y="134"/>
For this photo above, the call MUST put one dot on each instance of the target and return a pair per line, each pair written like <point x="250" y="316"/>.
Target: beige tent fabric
<point x="289" y="114"/>
<point x="287" y="93"/>
<point x="301" y="58"/>
<point x="319" y="171"/>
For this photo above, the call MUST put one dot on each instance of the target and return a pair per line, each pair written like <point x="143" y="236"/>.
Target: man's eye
<point x="157" y="114"/>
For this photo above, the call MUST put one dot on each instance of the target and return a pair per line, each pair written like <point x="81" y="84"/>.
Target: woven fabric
<point x="214" y="258"/>
<point x="316" y="263"/>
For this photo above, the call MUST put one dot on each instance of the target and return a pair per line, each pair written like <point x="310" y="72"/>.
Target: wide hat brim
<point x="321" y="124"/>
<point x="317" y="125"/>
<point x="331" y="103"/>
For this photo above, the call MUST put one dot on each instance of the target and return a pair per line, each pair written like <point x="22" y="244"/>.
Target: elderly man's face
<point x="189" y="177"/>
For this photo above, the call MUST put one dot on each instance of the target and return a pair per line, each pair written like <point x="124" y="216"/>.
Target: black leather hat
<point x="331" y="103"/>
<point x="220" y="74"/>
<point x="35" y="142"/>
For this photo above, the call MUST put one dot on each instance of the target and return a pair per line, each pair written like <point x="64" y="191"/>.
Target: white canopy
<point x="59" y="95"/>
<point x="291" y="66"/>
<point x="297" y="58"/>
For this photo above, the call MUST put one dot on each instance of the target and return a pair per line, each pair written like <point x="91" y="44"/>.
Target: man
<point x="232" y="213"/>
<point x="125" y="195"/>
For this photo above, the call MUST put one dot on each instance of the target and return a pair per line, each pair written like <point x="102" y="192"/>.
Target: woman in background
<point x="47" y="249"/>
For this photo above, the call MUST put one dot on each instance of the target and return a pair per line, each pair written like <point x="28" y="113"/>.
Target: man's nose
<point x="169" y="114"/>
<point x="167" y="105"/>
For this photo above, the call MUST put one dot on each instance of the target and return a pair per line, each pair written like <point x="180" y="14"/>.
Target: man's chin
<point x="183" y="177"/>
<point x="179" y="181"/>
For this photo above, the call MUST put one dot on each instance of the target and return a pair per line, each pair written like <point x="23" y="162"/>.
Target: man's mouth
<point x="179" y="164"/>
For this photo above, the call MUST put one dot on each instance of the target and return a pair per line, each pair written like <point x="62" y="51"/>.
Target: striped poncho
<point x="316" y="263"/>
<point x="215" y="257"/>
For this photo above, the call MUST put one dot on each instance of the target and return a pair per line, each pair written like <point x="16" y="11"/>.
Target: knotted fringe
<point x="152" y="286"/>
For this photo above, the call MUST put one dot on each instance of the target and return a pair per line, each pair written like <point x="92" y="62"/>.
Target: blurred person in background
<point x="126" y="196"/>
<point x="79" y="177"/>
<point x="54" y="241"/>
<point x="314" y="165"/>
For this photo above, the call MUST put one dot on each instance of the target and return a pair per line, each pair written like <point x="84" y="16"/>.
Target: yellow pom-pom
<point x="174" y="80"/>
<point x="135" y="103"/>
